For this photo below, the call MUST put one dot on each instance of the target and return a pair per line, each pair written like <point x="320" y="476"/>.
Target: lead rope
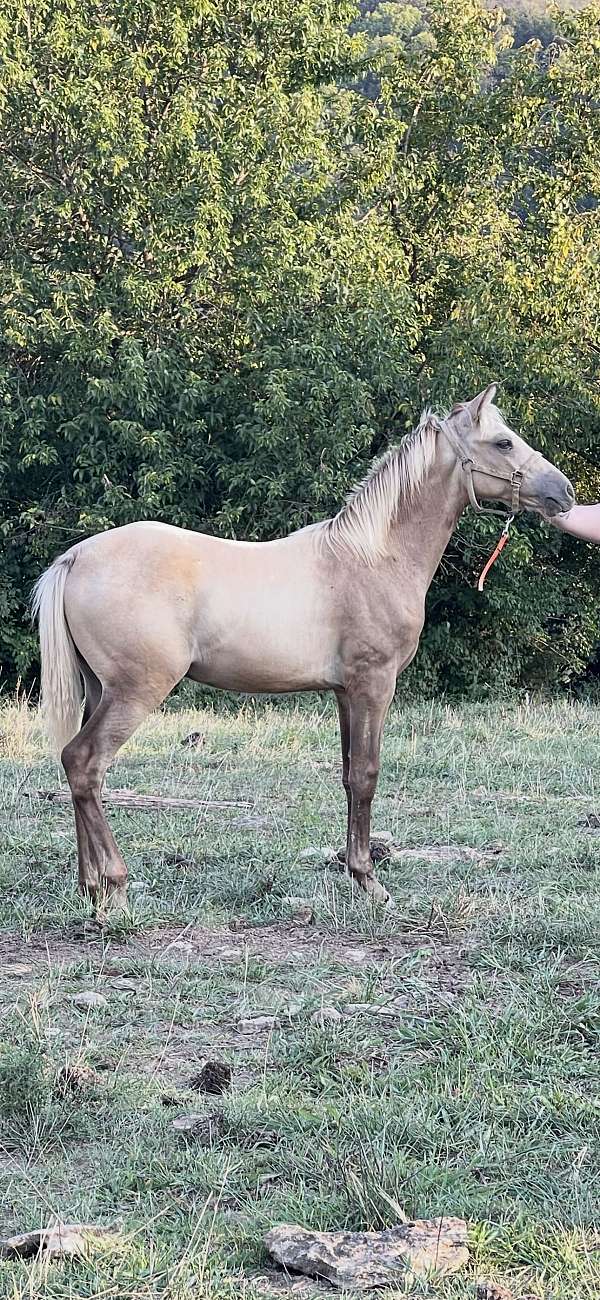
<point x="498" y="551"/>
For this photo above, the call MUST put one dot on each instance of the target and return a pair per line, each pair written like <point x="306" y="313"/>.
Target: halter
<point x="469" y="468"/>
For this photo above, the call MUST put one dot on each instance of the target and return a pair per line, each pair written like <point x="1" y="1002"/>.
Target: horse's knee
<point x="363" y="782"/>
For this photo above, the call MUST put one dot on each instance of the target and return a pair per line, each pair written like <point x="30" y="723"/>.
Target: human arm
<point x="580" y="521"/>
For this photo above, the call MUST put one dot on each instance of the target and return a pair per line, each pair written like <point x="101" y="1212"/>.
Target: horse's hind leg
<point x="89" y="881"/>
<point x="85" y="760"/>
<point x="344" y="719"/>
<point x="93" y="690"/>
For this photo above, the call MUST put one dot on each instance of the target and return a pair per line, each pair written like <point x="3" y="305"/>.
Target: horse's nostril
<point x="570" y="492"/>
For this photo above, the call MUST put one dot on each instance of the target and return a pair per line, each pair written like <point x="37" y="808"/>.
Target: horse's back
<point x="247" y="615"/>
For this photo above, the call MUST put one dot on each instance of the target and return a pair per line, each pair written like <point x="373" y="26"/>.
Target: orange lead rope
<point x="494" y="556"/>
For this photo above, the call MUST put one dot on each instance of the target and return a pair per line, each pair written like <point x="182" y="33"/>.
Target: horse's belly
<point x="279" y="652"/>
<point x="240" y="670"/>
<point x="252" y="682"/>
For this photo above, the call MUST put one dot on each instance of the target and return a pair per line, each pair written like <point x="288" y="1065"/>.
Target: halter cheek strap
<point x="515" y="481"/>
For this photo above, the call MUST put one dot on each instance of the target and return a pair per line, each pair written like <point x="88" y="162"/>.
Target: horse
<point x="337" y="606"/>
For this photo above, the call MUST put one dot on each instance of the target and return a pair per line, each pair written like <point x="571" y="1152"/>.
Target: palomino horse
<point x="338" y="606"/>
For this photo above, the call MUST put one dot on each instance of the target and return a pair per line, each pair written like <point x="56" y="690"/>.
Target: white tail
<point x="62" y="693"/>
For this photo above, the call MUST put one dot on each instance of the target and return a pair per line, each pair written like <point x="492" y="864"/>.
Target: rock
<point x="257" y="1024"/>
<point x="487" y="1290"/>
<point x="188" y="1123"/>
<point x="205" y="1129"/>
<point x="291" y="1010"/>
<point x="213" y="1078"/>
<point x="362" y="1260"/>
<point x="124" y="984"/>
<point x="60" y="1239"/>
<point x="326" y="1016"/>
<point x="304" y="915"/>
<point x="89" y="1000"/>
<point x="324" y="854"/>
<point x="138" y="886"/>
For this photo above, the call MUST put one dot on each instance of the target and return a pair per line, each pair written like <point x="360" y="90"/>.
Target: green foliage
<point x="229" y="276"/>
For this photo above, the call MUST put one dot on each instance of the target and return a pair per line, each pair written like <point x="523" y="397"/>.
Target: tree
<point x="195" y="325"/>
<point x="229" y="277"/>
<point x="497" y="215"/>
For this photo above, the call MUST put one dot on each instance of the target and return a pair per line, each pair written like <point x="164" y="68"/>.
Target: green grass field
<point x="461" y="1075"/>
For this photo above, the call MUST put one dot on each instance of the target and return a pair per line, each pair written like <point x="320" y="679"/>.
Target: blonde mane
<point x="361" y="528"/>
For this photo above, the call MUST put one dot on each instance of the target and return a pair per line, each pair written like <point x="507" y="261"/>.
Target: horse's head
<point x="501" y="466"/>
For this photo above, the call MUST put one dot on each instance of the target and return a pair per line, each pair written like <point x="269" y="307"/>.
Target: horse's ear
<point x="482" y="400"/>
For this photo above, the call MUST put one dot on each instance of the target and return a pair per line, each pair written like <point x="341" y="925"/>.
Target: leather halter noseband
<point x="469" y="467"/>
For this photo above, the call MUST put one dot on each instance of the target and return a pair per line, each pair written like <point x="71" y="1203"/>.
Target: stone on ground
<point x="89" y="1000"/>
<point x="257" y="1024"/>
<point x="61" y="1239"/>
<point x="362" y="1260"/>
<point x="326" y="1016"/>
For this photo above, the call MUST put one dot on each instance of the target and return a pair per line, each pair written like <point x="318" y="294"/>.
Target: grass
<point x="463" y="1075"/>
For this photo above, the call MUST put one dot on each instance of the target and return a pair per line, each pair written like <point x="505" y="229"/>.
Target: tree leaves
<point x="241" y="247"/>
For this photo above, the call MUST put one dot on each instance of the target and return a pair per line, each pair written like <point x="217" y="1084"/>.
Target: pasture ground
<point x="462" y="1076"/>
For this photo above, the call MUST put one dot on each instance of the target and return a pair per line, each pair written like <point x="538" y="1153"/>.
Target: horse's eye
<point x="505" y="444"/>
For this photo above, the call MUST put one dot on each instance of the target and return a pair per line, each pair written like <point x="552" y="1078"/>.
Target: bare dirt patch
<point x="283" y="942"/>
<point x="280" y="943"/>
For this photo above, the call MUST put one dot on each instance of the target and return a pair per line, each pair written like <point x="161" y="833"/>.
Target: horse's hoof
<point x="116" y="901"/>
<point x="375" y="891"/>
<point x="112" y="901"/>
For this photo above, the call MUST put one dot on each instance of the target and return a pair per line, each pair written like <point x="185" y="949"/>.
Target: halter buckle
<point x="516" y="481"/>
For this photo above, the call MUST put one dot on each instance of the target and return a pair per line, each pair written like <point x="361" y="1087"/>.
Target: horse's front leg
<point x="367" y="712"/>
<point x="344" y="717"/>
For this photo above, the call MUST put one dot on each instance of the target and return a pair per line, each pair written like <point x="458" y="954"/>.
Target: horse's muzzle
<point x="555" y="493"/>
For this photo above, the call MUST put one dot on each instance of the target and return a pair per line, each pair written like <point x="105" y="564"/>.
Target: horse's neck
<point x="420" y="536"/>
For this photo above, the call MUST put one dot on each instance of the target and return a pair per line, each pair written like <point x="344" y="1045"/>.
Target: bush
<point x="228" y="278"/>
